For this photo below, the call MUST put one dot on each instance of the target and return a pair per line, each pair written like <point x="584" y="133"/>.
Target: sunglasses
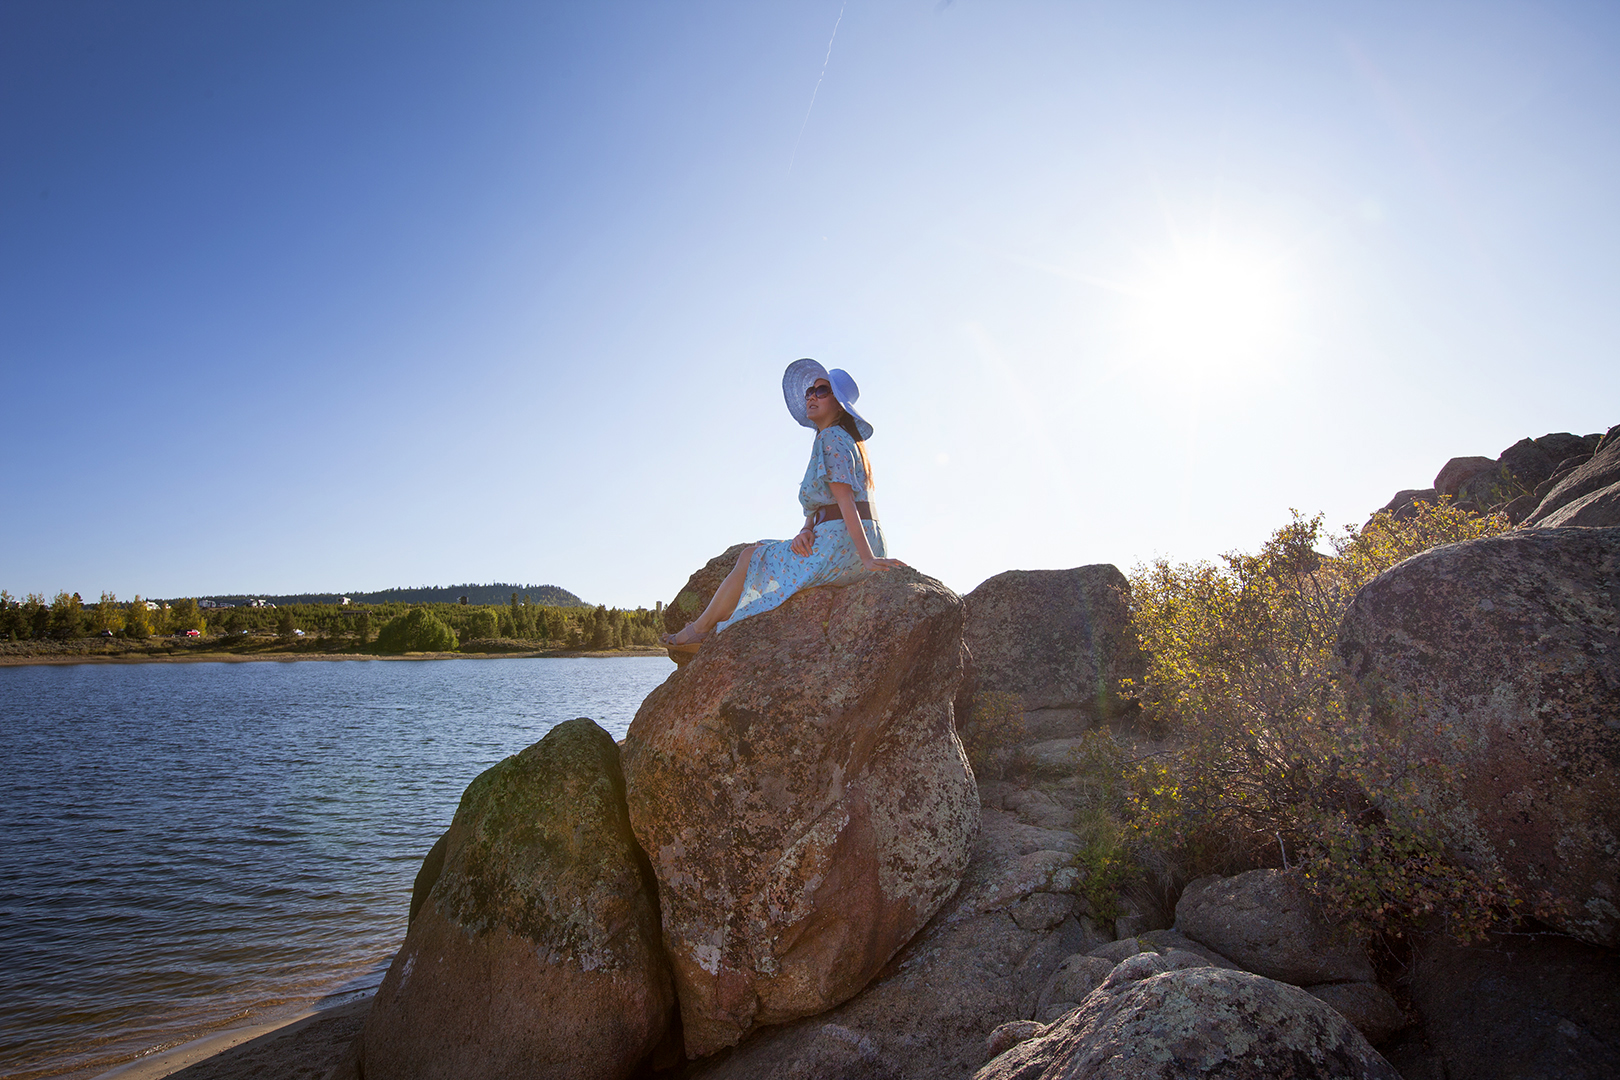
<point x="817" y="392"/>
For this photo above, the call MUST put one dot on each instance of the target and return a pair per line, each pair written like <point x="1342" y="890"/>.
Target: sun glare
<point x="1209" y="311"/>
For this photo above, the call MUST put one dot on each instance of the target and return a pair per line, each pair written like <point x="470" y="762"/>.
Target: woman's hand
<point x="803" y="542"/>
<point x="882" y="564"/>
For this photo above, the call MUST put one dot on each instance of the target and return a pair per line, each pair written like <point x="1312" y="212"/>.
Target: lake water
<point x="189" y="845"/>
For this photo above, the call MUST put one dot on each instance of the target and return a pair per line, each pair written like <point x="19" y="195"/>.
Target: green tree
<point x="107" y="615"/>
<point x="1271" y="759"/>
<point x="11" y="624"/>
<point x="416" y="631"/>
<point x="601" y="629"/>
<point x="286" y="623"/>
<point x="36" y="615"/>
<point x="186" y="615"/>
<point x="137" y="620"/>
<point x="65" y="616"/>
<point x="362" y="627"/>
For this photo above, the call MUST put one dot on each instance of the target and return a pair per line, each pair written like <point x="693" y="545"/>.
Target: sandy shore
<point x="305" y="1046"/>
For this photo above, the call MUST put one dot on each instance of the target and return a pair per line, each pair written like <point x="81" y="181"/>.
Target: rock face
<point x="536" y="950"/>
<point x="1059" y="639"/>
<point x="1507" y="649"/>
<point x="1513" y="483"/>
<point x="1600" y="509"/>
<point x="804" y="800"/>
<point x="1597" y="474"/>
<point x="973" y="968"/>
<point x="1522" y="1005"/>
<point x="1264" y="921"/>
<point x="1147" y="1021"/>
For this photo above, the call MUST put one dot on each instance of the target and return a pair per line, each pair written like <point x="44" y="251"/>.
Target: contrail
<point x="813" y="93"/>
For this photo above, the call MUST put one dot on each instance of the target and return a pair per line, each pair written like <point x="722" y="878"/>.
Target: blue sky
<point x="312" y="296"/>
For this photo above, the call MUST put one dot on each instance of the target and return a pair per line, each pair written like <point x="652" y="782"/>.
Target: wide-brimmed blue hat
<point x="801" y="375"/>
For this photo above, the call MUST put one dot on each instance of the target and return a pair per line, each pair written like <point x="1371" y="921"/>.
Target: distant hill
<point x="549" y="595"/>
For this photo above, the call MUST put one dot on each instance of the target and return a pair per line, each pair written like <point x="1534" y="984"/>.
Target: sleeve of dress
<point x="839" y="463"/>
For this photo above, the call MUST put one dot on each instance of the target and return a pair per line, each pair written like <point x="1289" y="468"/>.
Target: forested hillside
<point x="546" y="595"/>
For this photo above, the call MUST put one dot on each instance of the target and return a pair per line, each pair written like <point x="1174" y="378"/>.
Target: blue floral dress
<point x="775" y="572"/>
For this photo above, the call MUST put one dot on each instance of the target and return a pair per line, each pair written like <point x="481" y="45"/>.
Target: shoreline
<point x="312" y="1039"/>
<point x="59" y="659"/>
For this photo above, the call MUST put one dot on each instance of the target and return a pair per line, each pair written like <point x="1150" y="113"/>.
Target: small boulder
<point x="1366" y="1005"/>
<point x="1010" y="1034"/>
<point x="804" y="800"/>
<point x="1500" y="659"/>
<point x="1074" y="980"/>
<point x="1116" y="952"/>
<point x="537" y="944"/>
<point x="1059" y="639"/>
<point x="1267" y="922"/>
<point x="1169" y="941"/>
<point x="1145" y="1023"/>
<point x="1404" y="504"/>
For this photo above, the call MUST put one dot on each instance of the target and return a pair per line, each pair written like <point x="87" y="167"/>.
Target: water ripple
<point x="192" y="844"/>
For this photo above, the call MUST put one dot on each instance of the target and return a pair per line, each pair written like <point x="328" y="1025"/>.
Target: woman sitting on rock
<point x="841" y="538"/>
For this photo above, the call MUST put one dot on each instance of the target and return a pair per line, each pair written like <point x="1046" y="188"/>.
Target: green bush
<point x="415" y="631"/>
<point x="1267" y="760"/>
<point x="996" y="722"/>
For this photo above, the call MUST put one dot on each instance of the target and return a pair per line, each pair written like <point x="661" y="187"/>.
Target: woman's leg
<point x="723" y="604"/>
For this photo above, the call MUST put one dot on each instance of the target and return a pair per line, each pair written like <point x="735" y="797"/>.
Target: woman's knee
<point x="744" y="555"/>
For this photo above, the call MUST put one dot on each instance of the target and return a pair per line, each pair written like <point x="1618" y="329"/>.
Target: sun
<point x="1210" y="310"/>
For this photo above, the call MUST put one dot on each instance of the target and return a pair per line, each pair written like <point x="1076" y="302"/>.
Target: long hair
<point x="847" y="422"/>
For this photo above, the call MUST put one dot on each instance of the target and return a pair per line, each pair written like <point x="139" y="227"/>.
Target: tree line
<point x="68" y="616"/>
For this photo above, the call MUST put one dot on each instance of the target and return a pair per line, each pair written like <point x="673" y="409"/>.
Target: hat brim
<point x="801" y="375"/>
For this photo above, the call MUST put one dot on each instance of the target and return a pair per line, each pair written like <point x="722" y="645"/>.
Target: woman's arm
<point x="844" y="496"/>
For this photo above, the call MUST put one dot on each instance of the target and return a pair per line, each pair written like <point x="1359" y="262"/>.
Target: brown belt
<point x="832" y="513"/>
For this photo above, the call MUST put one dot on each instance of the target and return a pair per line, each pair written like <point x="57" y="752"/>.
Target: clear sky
<point x="314" y="296"/>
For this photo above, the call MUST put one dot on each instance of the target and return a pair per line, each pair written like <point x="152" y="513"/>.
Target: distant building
<point x="343" y="600"/>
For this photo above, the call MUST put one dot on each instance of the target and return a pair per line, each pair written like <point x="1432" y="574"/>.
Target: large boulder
<point x="804" y="800"/>
<point x="1265" y="921"/>
<point x="1150" y="1020"/>
<point x="971" y="969"/>
<point x="1602" y="471"/>
<point x="1059" y="639"/>
<point x="1528" y="462"/>
<point x="1458" y="471"/>
<point x="536" y="950"/>
<point x="1500" y="659"/>
<point x="1515" y="1005"/>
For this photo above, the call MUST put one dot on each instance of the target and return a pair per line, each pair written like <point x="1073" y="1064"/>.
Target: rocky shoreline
<point x="791" y="869"/>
